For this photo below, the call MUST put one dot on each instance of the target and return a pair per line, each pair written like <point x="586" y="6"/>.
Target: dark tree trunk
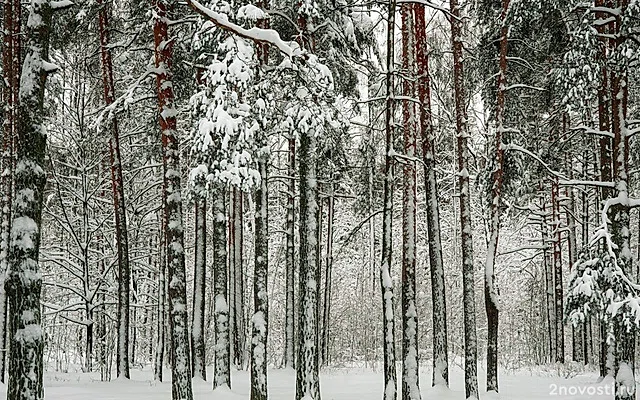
<point x="549" y="277"/>
<point x="177" y="295"/>
<point x="222" y="372"/>
<point x="557" y="270"/>
<point x="307" y="365"/>
<point x="466" y="229"/>
<point x="386" y="283"/>
<point x="289" y="325"/>
<point x="410" y="386"/>
<point x="160" y="326"/>
<point x="260" y="320"/>
<point x="122" y="240"/>
<point x="199" y="366"/>
<point x="438" y="298"/>
<point x="24" y="281"/>
<point x="236" y="279"/>
<point x="495" y="195"/>
<point x="9" y="96"/>
<point x="326" y="317"/>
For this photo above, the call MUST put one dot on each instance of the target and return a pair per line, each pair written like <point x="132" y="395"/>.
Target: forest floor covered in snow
<point x="336" y="384"/>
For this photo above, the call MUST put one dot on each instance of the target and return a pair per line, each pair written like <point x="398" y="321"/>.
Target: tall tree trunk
<point x="619" y="215"/>
<point x="410" y="386"/>
<point x="177" y="294"/>
<point x="438" y="298"/>
<point x="24" y="282"/>
<point x="326" y="317"/>
<point x="199" y="364"/>
<point x="466" y="229"/>
<point x="122" y="240"/>
<point x="222" y="373"/>
<point x="260" y="320"/>
<point x="386" y="283"/>
<point x="160" y="326"/>
<point x="491" y="298"/>
<point x="9" y="90"/>
<point x="307" y="365"/>
<point x="549" y="277"/>
<point x="236" y="279"/>
<point x="557" y="269"/>
<point x="289" y="325"/>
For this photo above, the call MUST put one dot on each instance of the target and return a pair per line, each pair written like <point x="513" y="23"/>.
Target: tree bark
<point x="160" y="326"/>
<point x="466" y="229"/>
<point x="326" y="317"/>
<point x="199" y="365"/>
<point x="177" y="295"/>
<point x="466" y="238"/>
<point x="24" y="281"/>
<point x="491" y="298"/>
<point x="619" y="215"/>
<point x="549" y="278"/>
<point x="289" y="350"/>
<point x="410" y="385"/>
<point x="386" y="283"/>
<point x="307" y="366"/>
<point x="557" y="270"/>
<point x="222" y="372"/>
<point x="236" y="279"/>
<point x="9" y="95"/>
<point x="438" y="298"/>
<point x="122" y="240"/>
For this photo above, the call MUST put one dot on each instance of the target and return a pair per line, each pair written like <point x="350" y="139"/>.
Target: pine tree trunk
<point x="9" y="90"/>
<point x="549" y="277"/>
<point x="307" y="383"/>
<point x="261" y="306"/>
<point x="289" y="325"/>
<point x="466" y="229"/>
<point x="625" y="340"/>
<point x="491" y="298"/>
<point x="557" y="270"/>
<point x="177" y="295"/>
<point x="24" y="281"/>
<point x="222" y="373"/>
<point x="199" y="366"/>
<point x="410" y="386"/>
<point x="326" y="316"/>
<point x="386" y="283"/>
<point x="236" y="279"/>
<point x="160" y="338"/>
<point x="122" y="241"/>
<point x="438" y="298"/>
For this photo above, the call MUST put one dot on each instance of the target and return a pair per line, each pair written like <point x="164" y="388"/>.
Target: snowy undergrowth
<point x="336" y="384"/>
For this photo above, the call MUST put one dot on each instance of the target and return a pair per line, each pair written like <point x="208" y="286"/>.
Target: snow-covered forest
<point x="319" y="199"/>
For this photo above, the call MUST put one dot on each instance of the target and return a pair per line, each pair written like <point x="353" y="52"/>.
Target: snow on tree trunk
<point x="236" y="279"/>
<point x="9" y="95"/>
<point x="557" y="270"/>
<point x="440" y="373"/>
<point x="260" y="317"/>
<point x="160" y="334"/>
<point x="307" y="383"/>
<point x="495" y="192"/>
<point x="326" y="314"/>
<point x="221" y="373"/>
<point x="177" y="295"/>
<point x="199" y="366"/>
<point x="386" y="283"/>
<point x="466" y="238"/>
<point x="410" y="386"/>
<point x="549" y="277"/>
<point x="122" y="240"/>
<point x="289" y="325"/>
<point x="619" y="214"/>
<point x="24" y="282"/>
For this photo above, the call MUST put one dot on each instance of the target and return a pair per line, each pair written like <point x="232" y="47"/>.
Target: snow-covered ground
<point x="336" y="384"/>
